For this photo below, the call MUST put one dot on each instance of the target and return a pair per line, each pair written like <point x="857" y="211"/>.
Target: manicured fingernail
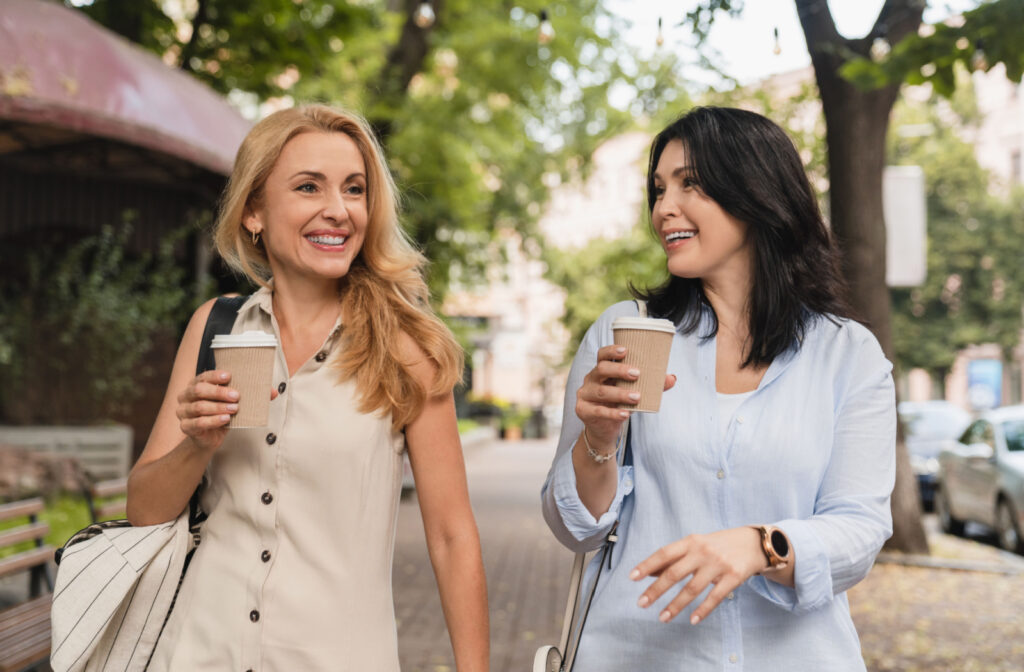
<point x="619" y="350"/>
<point x="233" y="394"/>
<point x="643" y="601"/>
<point x="225" y="418"/>
<point x="695" y="619"/>
<point x="223" y="376"/>
<point x="634" y="372"/>
<point x="232" y="407"/>
<point x="635" y="574"/>
<point x="623" y="414"/>
<point x="665" y="616"/>
<point x="635" y="396"/>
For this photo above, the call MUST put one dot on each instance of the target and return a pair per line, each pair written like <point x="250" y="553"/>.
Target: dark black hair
<point x="749" y="166"/>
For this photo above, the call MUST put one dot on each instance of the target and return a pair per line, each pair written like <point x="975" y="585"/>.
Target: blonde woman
<point x="294" y="568"/>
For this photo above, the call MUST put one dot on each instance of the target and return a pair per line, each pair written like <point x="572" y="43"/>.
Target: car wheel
<point x="948" y="523"/>
<point x="1006" y="527"/>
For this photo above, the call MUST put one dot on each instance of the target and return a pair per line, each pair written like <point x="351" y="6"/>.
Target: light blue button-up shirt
<point x="812" y="451"/>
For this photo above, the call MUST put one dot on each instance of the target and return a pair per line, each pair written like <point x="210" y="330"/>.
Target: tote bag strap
<point x="570" y="629"/>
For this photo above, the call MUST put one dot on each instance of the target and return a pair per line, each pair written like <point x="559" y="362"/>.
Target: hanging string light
<point x="424" y="16"/>
<point x="546" y="32"/>
<point x="777" y="49"/>
<point x="979" y="61"/>
<point x="660" y="40"/>
<point x="880" y="48"/>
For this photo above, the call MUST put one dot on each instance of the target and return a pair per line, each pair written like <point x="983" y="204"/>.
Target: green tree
<point x="473" y="110"/>
<point x="974" y="288"/>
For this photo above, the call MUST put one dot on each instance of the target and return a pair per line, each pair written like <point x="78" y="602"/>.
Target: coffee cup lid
<point x="648" y="323"/>
<point x="248" y="339"/>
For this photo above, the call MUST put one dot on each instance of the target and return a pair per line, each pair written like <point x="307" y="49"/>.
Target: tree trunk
<point x="856" y="124"/>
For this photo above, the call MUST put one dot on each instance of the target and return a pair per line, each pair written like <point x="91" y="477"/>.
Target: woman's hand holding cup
<point x="598" y="401"/>
<point x="205" y="408"/>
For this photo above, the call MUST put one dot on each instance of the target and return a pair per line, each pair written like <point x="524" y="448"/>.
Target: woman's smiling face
<point x="312" y="210"/>
<point x="700" y="238"/>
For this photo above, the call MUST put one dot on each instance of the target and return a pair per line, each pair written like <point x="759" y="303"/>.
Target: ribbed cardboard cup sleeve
<point x="647" y="348"/>
<point x="252" y="373"/>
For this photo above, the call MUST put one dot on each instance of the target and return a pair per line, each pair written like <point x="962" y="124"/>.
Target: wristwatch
<point x="775" y="545"/>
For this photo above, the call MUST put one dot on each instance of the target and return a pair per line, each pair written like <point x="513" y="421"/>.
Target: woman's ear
<point x="251" y="221"/>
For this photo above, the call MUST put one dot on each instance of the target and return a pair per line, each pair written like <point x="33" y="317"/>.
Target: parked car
<point x="927" y="427"/>
<point x="981" y="477"/>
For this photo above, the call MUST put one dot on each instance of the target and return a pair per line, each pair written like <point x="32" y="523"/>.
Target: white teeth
<point x="679" y="235"/>
<point x="327" y="240"/>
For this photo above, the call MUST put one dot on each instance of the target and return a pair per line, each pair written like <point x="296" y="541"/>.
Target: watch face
<point x="780" y="544"/>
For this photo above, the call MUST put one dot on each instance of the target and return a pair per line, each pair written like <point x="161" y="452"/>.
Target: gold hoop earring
<point x="255" y="238"/>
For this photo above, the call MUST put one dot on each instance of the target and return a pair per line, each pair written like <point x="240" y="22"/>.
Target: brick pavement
<point x="527" y="570"/>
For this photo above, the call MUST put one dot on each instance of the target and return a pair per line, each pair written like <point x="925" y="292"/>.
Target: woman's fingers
<point x="724" y="585"/>
<point x="201" y="408"/>
<point x="670" y="381"/>
<point x="697" y="561"/>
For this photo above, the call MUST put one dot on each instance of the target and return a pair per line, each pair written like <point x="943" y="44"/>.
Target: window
<point x="1013" y="432"/>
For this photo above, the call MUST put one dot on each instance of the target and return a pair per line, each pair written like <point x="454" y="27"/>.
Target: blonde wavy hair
<point x="383" y="293"/>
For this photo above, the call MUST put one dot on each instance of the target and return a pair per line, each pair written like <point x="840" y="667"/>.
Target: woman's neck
<point x="731" y="303"/>
<point x="304" y="306"/>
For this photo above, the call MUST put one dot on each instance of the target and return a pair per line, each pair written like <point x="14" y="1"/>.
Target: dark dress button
<point x="321" y="356"/>
<point x="281" y="387"/>
<point x="254" y="615"/>
<point x="267" y="498"/>
<point x="265" y="556"/>
<point x="271" y="439"/>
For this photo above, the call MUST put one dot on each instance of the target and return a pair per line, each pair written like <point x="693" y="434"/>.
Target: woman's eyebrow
<point x="309" y="173"/>
<point x="676" y="172"/>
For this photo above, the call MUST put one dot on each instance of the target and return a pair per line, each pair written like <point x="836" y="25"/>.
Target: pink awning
<point x="59" y="68"/>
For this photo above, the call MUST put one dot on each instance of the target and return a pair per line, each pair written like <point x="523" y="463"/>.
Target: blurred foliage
<point x="473" y="110"/>
<point x="987" y="35"/>
<point x="600" y="273"/>
<point x="975" y="265"/>
<point x="77" y="323"/>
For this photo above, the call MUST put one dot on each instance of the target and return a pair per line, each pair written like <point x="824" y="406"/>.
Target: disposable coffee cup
<point x="249" y="357"/>
<point x="648" y="342"/>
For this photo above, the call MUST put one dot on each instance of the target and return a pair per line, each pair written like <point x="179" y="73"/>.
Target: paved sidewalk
<point x="527" y="570"/>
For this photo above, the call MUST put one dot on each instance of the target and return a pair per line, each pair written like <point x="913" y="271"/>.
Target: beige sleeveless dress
<point x="294" y="568"/>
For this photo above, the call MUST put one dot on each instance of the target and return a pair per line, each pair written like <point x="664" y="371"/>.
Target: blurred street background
<point x="518" y="132"/>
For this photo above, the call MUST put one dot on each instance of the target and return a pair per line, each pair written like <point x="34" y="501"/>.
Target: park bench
<point x="25" y="627"/>
<point x="106" y="499"/>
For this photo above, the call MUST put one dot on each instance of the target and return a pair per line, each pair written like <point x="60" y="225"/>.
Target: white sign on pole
<point x="906" y="214"/>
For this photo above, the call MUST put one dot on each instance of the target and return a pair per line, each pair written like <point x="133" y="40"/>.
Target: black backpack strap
<point x="221" y="320"/>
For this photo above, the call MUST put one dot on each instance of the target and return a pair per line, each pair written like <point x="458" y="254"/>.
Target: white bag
<point x="115" y="586"/>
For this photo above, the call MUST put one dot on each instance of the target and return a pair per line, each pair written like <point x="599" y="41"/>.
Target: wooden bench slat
<point x="26" y="559"/>
<point x="16" y="535"/>
<point x="33" y="650"/>
<point x="26" y="611"/>
<point x="110" y="510"/>
<point x="110" y="488"/>
<point x="25" y="634"/>
<point x="25" y="507"/>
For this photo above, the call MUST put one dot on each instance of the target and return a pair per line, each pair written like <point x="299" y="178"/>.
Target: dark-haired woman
<point x="759" y="494"/>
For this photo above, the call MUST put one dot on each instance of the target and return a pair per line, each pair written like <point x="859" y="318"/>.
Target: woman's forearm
<point x="595" y="482"/>
<point x="459" y="569"/>
<point x="159" y="491"/>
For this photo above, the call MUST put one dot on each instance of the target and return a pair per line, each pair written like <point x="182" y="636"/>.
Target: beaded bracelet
<point x="600" y="458"/>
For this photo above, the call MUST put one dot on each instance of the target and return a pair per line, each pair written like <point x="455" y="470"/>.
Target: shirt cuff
<point x="812" y="576"/>
<point x="580" y="523"/>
